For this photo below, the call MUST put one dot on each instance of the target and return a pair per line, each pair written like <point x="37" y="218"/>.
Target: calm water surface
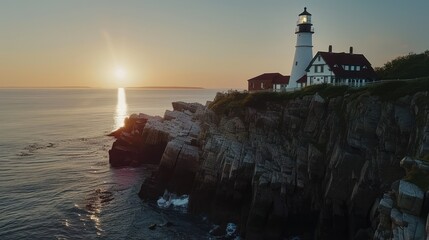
<point x="55" y="180"/>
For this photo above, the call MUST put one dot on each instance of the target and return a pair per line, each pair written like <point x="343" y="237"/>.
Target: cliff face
<point x="308" y="166"/>
<point x="309" y="162"/>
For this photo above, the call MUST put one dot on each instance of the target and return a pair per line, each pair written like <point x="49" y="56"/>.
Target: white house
<point x="339" y="69"/>
<point x="325" y="67"/>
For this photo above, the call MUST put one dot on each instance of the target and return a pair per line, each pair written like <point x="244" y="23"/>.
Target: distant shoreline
<point x="45" y="87"/>
<point x="167" y="87"/>
<point x="84" y="87"/>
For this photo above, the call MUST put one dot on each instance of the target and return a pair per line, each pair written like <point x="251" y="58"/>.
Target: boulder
<point x="410" y="198"/>
<point x="183" y="106"/>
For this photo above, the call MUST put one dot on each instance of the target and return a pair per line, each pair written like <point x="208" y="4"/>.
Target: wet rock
<point x="166" y="224"/>
<point x="152" y="226"/>
<point x="217" y="231"/>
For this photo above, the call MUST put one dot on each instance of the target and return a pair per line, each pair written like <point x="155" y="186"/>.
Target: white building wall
<point x="303" y="57"/>
<point x="324" y="75"/>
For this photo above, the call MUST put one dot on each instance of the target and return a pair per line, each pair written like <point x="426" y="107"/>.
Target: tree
<point x="405" y="67"/>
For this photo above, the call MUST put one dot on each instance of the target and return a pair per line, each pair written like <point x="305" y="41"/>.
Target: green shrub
<point x="396" y="89"/>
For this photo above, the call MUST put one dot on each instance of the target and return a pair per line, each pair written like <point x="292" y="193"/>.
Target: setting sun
<point x="120" y="73"/>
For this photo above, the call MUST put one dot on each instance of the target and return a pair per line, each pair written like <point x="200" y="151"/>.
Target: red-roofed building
<point x="302" y="82"/>
<point x="268" y="82"/>
<point x="340" y="69"/>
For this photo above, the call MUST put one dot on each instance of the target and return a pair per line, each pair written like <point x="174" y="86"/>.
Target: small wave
<point x="34" y="147"/>
<point x="172" y="200"/>
<point x="97" y="199"/>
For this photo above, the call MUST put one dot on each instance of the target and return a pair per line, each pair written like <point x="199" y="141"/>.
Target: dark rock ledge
<point x="310" y="167"/>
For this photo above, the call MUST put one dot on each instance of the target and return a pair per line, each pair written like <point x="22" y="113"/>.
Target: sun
<point x="120" y="73"/>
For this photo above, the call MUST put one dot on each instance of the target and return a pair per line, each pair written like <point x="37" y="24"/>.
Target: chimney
<point x="351" y="50"/>
<point x="330" y="48"/>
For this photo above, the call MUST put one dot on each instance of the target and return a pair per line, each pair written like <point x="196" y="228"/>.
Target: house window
<point x="357" y="68"/>
<point x="352" y="68"/>
<point x="318" y="58"/>
<point x="318" y="68"/>
<point x="262" y="85"/>
<point x="346" y="67"/>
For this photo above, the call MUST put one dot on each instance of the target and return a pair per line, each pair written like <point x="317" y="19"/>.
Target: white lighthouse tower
<point x="304" y="48"/>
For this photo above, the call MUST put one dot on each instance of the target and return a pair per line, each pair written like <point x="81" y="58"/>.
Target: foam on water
<point x="172" y="200"/>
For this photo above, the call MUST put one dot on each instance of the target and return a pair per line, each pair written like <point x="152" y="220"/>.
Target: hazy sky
<point x="207" y="43"/>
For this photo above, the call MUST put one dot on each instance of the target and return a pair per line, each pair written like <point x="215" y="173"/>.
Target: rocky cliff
<point x="313" y="165"/>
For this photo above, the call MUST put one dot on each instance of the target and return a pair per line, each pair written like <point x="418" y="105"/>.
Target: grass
<point x="234" y="100"/>
<point x="396" y="89"/>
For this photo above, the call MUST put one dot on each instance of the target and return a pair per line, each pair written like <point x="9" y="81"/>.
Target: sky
<point x="199" y="43"/>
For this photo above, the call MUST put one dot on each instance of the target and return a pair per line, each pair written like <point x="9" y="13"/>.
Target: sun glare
<point x="121" y="109"/>
<point x="120" y="73"/>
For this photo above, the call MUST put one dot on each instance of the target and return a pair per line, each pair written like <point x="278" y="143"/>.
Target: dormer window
<point x="318" y="68"/>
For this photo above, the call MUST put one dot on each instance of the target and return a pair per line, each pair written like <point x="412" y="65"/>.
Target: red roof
<point x="336" y="61"/>
<point x="303" y="79"/>
<point x="276" y="78"/>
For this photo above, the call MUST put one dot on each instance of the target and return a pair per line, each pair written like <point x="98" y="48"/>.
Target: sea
<point x="55" y="177"/>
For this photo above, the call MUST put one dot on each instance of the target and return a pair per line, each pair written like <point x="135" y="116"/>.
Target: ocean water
<point x="55" y="179"/>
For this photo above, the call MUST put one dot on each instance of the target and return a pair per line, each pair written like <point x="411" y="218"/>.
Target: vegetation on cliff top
<point x="405" y="67"/>
<point x="388" y="91"/>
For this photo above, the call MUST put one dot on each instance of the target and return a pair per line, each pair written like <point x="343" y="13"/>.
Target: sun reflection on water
<point x="121" y="109"/>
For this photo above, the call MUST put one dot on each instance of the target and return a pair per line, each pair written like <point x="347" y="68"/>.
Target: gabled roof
<point x="303" y="79"/>
<point x="276" y="78"/>
<point x="336" y="61"/>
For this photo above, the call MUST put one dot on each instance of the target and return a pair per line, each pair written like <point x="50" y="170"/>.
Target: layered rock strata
<point x="309" y="167"/>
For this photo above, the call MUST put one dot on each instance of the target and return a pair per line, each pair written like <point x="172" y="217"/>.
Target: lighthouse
<point x="303" y="50"/>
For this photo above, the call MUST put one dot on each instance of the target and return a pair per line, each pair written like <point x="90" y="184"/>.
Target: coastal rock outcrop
<point x="311" y="166"/>
<point x="403" y="211"/>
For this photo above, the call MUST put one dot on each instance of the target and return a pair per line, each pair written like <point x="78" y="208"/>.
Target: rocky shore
<point x="311" y="167"/>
